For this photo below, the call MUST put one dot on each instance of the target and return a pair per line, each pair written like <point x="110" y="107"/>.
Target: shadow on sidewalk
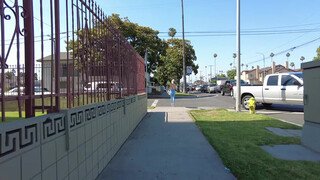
<point x="165" y="147"/>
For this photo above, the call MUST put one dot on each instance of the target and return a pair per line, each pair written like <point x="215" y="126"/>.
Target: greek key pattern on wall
<point x="54" y="126"/>
<point x="25" y="134"/>
<point x="79" y="116"/>
<point x="14" y="140"/>
<point x="128" y="101"/>
<point x="90" y="113"/>
<point x="76" y="119"/>
<point x="113" y="106"/>
<point x="102" y="110"/>
<point x="120" y="104"/>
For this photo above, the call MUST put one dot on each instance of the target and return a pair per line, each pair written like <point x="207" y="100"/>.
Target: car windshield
<point x="88" y="86"/>
<point x="40" y="89"/>
<point x="212" y="85"/>
<point x="234" y="82"/>
<point x="299" y="76"/>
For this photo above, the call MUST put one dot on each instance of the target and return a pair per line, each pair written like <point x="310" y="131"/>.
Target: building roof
<point x="278" y="69"/>
<point x="63" y="57"/>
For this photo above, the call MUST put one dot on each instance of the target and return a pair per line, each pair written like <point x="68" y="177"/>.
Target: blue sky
<point x="212" y="16"/>
<point x="220" y="15"/>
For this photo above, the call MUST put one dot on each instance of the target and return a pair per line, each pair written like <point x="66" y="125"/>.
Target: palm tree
<point x="271" y="55"/>
<point x="252" y="67"/>
<point x="234" y="58"/>
<point x="215" y="64"/>
<point x="242" y="66"/>
<point x="231" y="65"/>
<point x="292" y="64"/>
<point x="247" y="66"/>
<point x="288" y="54"/>
<point x="302" y="58"/>
<point x="172" y="32"/>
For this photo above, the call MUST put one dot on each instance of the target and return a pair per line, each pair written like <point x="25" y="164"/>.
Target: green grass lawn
<point x="237" y="138"/>
<point x="183" y="94"/>
<point x="12" y="111"/>
<point x="14" y="115"/>
<point x="151" y="107"/>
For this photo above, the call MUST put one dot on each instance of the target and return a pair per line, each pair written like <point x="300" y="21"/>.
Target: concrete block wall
<point x="74" y="144"/>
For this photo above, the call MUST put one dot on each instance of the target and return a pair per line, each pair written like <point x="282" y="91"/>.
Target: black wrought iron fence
<point x="60" y="54"/>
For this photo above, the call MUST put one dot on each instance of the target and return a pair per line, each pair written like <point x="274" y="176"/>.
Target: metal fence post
<point x="29" y="57"/>
<point x="57" y="55"/>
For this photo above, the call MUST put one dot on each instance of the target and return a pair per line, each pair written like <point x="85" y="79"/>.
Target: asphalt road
<point x="290" y="113"/>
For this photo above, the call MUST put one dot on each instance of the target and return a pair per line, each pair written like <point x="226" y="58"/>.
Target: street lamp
<point x="206" y="76"/>
<point x="238" y="62"/>
<point x="215" y="64"/>
<point x="184" y="59"/>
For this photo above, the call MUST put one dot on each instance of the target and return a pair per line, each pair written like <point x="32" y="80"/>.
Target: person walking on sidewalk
<point x="172" y="90"/>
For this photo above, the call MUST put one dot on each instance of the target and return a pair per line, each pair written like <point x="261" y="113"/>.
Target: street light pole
<point x="206" y="77"/>
<point x="184" y="58"/>
<point x="238" y="56"/>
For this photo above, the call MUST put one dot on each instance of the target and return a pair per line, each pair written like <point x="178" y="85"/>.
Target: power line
<point x="35" y="17"/>
<point x="284" y="51"/>
<point x="251" y="29"/>
<point x="232" y="33"/>
<point x="36" y="41"/>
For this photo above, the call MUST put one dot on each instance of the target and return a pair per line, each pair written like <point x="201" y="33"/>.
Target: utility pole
<point x="184" y="58"/>
<point x="211" y="75"/>
<point x="146" y="63"/>
<point x="238" y="56"/>
<point x="206" y="77"/>
<point x="210" y="72"/>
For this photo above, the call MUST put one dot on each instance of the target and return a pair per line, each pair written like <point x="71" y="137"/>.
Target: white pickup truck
<point x="283" y="88"/>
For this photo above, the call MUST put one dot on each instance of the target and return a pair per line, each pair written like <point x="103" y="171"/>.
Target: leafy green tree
<point x="318" y="54"/>
<point x="9" y="75"/>
<point x="302" y="58"/>
<point x="198" y="82"/>
<point x="142" y="38"/>
<point x="231" y="73"/>
<point x="173" y="61"/>
<point x="221" y="76"/>
<point x="172" y="32"/>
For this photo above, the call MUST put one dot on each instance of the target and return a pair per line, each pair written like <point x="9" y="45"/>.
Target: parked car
<point x="212" y="88"/>
<point x="204" y="88"/>
<point x="227" y="88"/>
<point x="283" y="88"/>
<point x="198" y="88"/>
<point x="37" y="91"/>
<point x="220" y="83"/>
<point x="102" y="86"/>
<point x="193" y="87"/>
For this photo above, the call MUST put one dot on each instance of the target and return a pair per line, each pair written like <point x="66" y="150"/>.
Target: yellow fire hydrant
<point x="252" y="105"/>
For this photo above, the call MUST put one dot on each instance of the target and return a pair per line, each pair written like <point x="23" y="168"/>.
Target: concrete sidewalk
<point x="166" y="145"/>
<point x="165" y="95"/>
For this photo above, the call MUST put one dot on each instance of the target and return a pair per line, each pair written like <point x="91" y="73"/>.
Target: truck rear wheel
<point x="222" y="92"/>
<point x="244" y="101"/>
